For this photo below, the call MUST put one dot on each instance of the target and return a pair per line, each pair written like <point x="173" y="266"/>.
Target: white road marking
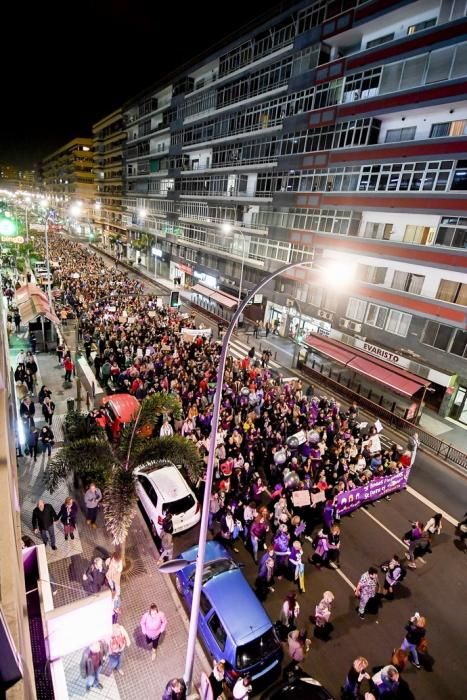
<point x="398" y="539"/>
<point x="433" y="506"/>
<point x="353" y="586"/>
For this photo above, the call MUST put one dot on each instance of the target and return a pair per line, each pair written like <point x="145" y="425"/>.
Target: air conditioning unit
<point x="357" y="327"/>
<point x="344" y="322"/>
<point x="325" y="314"/>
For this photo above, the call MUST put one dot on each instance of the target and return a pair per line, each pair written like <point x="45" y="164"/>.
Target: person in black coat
<point x="33" y="441"/>
<point x="67" y="515"/>
<point x="94" y="577"/>
<point x="27" y="411"/>
<point x="43" y="518"/>
<point x="47" y="439"/>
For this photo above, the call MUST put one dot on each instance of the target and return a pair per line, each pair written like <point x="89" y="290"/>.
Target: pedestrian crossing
<point x="240" y="350"/>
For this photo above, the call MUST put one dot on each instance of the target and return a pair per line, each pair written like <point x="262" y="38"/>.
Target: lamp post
<point x="193" y="628"/>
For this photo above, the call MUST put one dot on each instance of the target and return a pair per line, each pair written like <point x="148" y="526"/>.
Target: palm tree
<point x="113" y="465"/>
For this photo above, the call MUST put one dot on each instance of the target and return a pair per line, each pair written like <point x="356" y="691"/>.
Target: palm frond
<point x="119" y="504"/>
<point x="85" y="458"/>
<point x="176" y="449"/>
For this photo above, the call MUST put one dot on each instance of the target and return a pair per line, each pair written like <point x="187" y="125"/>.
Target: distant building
<point x="109" y="136"/>
<point x="67" y="175"/>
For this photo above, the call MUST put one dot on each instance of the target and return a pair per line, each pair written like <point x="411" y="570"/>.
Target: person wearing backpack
<point x="119" y="641"/>
<point x="394" y="574"/>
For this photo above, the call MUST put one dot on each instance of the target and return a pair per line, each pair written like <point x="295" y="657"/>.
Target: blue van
<point x="232" y="622"/>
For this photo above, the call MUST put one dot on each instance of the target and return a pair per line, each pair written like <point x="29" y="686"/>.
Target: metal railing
<point x="440" y="448"/>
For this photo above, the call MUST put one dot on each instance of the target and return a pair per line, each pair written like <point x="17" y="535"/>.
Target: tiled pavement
<point x="142" y="584"/>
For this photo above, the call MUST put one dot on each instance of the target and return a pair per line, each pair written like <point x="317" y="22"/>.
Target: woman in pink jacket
<point x="153" y="623"/>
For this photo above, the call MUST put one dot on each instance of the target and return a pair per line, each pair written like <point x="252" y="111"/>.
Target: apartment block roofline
<point x="108" y="119"/>
<point x="78" y="141"/>
<point x="220" y="46"/>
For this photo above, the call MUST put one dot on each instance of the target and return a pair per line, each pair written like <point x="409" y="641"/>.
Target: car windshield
<point x="180" y="506"/>
<point x="214" y="568"/>
<point x="257" y="650"/>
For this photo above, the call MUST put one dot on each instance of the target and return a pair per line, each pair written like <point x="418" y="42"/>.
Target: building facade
<point x="68" y="179"/>
<point x="109" y="137"/>
<point x="336" y="130"/>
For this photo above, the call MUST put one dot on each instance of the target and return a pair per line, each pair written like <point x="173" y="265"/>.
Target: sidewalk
<point x="142" y="584"/>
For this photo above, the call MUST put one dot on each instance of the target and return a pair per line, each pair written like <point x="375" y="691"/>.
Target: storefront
<point x="371" y="371"/>
<point x="217" y="304"/>
<point x="290" y="322"/>
<point x="181" y="271"/>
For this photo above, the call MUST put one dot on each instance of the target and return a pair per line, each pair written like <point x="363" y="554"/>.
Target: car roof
<point x="124" y="406"/>
<point x="169" y="482"/>
<point x="230" y="592"/>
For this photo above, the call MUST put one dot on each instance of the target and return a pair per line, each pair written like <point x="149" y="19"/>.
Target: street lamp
<point x="176" y="565"/>
<point x="45" y="205"/>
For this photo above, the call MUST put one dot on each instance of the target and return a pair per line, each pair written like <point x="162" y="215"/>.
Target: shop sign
<point x="383" y="354"/>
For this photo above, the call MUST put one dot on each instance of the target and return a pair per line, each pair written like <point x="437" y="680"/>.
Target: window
<point x="356" y="309"/>
<point x="147" y="486"/>
<point x="204" y="604"/>
<point x="439" y="130"/>
<point x="452" y="232"/>
<point x="218" y="631"/>
<point x="405" y="134"/>
<point x="437" y="335"/>
<point x="407" y="282"/>
<point x="398" y="323"/>
<point x="380" y="40"/>
<point x="378" y="230"/>
<point x="459" y="181"/>
<point x="421" y="25"/>
<point x="376" y="315"/>
<point x="421" y="235"/>
<point x="454" y="292"/>
<point x="459" y="345"/>
<point x="371" y="274"/>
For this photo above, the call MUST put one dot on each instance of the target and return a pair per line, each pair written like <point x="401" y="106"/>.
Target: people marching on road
<point x="366" y="590"/>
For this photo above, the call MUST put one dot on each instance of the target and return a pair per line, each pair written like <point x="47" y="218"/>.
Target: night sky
<point x="65" y="65"/>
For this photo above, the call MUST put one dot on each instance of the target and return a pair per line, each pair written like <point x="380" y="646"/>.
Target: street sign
<point x="9" y="239"/>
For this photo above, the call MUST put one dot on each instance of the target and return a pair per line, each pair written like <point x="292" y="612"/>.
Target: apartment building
<point x="334" y="131"/>
<point x="67" y="176"/>
<point x="109" y="136"/>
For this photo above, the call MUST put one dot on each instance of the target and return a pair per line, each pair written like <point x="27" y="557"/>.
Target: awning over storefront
<point x="342" y="355"/>
<point x="395" y="378"/>
<point x="221" y="297"/>
<point x="32" y="302"/>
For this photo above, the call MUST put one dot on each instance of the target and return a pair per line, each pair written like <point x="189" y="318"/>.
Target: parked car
<point x="232" y="622"/>
<point x="299" y="686"/>
<point x="119" y="410"/>
<point x="161" y="487"/>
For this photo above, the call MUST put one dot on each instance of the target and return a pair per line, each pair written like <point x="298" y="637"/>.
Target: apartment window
<point x="459" y="181"/>
<point x="437" y="335"/>
<point x="421" y="235"/>
<point x="380" y="231"/>
<point x="356" y="309"/>
<point x="459" y="344"/>
<point x="398" y="323"/>
<point x="454" y="292"/>
<point x="405" y="134"/>
<point x="452" y="232"/>
<point x="407" y="282"/>
<point x="376" y="315"/>
<point x="380" y="40"/>
<point x="439" y="130"/>
<point x="421" y="25"/>
<point x="371" y="274"/>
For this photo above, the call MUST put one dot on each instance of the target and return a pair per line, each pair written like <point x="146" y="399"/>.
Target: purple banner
<point x="376" y="488"/>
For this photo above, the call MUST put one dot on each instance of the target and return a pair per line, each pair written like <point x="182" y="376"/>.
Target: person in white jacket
<point x="242" y="688"/>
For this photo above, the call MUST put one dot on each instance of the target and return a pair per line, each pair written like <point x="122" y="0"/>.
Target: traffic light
<point x="175" y="299"/>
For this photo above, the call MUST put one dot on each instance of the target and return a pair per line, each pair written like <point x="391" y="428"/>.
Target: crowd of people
<point x="136" y="346"/>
